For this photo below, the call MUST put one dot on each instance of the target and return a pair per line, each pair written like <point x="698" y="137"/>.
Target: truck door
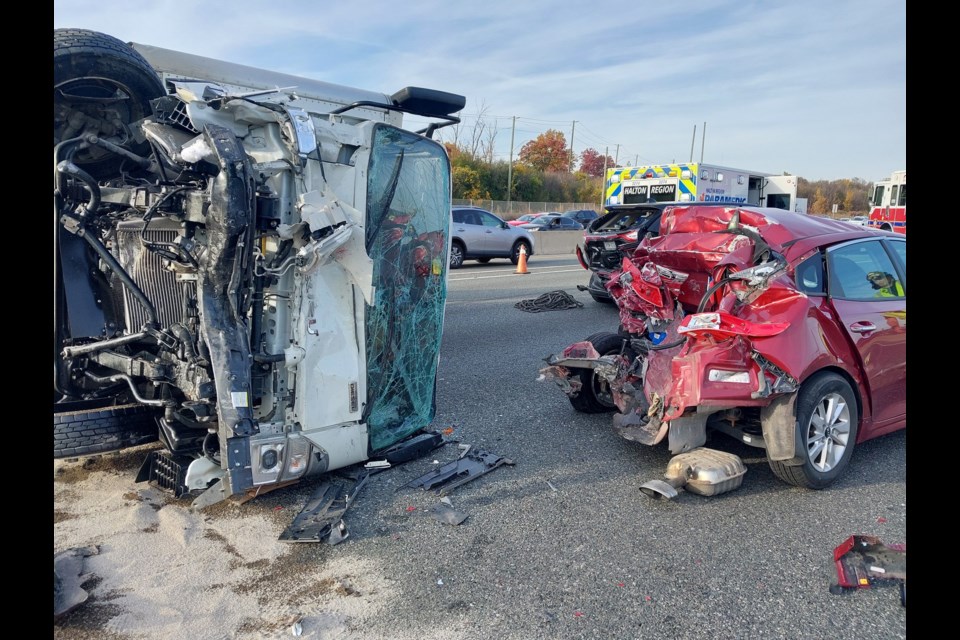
<point x="779" y="192"/>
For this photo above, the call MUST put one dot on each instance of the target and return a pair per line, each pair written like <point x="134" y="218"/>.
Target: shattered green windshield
<point x="407" y="231"/>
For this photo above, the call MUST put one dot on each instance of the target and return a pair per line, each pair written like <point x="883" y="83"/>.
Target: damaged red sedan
<point x="782" y="330"/>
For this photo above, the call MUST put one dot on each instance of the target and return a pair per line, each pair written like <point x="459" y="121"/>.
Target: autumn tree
<point x="820" y="203"/>
<point x="547" y="152"/>
<point x="592" y="162"/>
<point x="527" y="184"/>
<point x="477" y="140"/>
<point x="467" y="184"/>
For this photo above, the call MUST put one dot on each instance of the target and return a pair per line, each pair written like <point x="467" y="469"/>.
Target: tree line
<point x="546" y="171"/>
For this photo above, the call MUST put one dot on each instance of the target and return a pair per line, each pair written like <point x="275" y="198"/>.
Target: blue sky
<point x="815" y="88"/>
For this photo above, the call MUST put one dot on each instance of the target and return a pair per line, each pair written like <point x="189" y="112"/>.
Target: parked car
<point x="225" y="282"/>
<point x="784" y="331"/>
<point x="583" y="216"/>
<point x="552" y="222"/>
<point x="621" y="226"/>
<point x="525" y="218"/>
<point x="480" y="235"/>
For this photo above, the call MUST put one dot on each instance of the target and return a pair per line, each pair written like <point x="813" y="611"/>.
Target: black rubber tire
<point x="457" y="252"/>
<point x="515" y="253"/>
<point x="97" y="66"/>
<point x="85" y="432"/>
<point x="812" y="406"/>
<point x="591" y="398"/>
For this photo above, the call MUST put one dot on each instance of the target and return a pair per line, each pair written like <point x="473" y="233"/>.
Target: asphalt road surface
<point x="562" y="544"/>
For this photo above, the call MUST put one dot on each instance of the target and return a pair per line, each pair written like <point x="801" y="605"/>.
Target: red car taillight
<point x="720" y="325"/>
<point x="647" y="292"/>
<point x="583" y="263"/>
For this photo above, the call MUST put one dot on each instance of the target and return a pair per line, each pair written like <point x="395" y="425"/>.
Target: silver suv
<point x="479" y="235"/>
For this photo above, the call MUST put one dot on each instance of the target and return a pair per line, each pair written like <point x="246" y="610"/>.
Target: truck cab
<point x="250" y="266"/>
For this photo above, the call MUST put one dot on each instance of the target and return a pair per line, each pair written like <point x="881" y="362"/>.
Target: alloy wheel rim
<point x="828" y="433"/>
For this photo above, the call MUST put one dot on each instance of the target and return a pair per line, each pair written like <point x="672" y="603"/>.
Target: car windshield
<point x="626" y="220"/>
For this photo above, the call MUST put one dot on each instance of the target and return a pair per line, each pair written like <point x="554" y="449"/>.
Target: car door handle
<point x="863" y="327"/>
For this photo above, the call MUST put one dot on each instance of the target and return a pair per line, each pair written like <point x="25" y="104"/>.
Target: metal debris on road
<point x="472" y="465"/>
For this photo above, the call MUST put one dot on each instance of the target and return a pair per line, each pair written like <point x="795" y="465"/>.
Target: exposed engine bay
<point x="250" y="266"/>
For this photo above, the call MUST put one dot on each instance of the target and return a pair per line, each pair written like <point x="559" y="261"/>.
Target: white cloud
<point x="815" y="88"/>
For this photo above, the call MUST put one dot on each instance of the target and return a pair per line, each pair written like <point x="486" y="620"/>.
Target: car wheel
<point x="515" y="254"/>
<point x="79" y="430"/>
<point x="456" y="255"/>
<point x="594" y="395"/>
<point x="101" y="85"/>
<point x="827" y="419"/>
<point x="483" y="260"/>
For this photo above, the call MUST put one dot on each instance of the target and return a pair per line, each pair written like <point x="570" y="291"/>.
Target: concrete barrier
<point x="549" y="243"/>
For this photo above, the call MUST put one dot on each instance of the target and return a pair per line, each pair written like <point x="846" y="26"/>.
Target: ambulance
<point x="699" y="182"/>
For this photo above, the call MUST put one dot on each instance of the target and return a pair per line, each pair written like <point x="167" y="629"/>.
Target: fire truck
<point x="699" y="182"/>
<point x="888" y="203"/>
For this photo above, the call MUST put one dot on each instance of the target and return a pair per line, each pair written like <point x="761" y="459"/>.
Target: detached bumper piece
<point x="468" y="467"/>
<point x="321" y="520"/>
<point x="864" y="561"/>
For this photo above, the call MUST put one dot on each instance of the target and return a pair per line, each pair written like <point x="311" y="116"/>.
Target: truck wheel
<point x="87" y="431"/>
<point x="101" y="86"/>
<point x="594" y="395"/>
<point x="827" y="419"/>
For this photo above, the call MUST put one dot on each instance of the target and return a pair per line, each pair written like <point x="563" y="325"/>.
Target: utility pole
<point x="573" y="128"/>
<point x="636" y="160"/>
<point x="513" y="130"/>
<point x="603" y="179"/>
<point x="616" y="157"/>
<point x="703" y="140"/>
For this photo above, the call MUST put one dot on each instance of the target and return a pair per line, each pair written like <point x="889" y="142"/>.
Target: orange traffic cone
<point x="522" y="262"/>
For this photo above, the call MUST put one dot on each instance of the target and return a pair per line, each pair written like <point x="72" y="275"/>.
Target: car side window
<point x="459" y="216"/>
<point x="899" y="248"/>
<point x="809" y="275"/>
<point x="488" y="220"/>
<point x="863" y="270"/>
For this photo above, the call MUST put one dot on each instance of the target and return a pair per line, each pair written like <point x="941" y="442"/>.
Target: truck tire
<point x="101" y="86"/>
<point x="594" y="396"/>
<point x="84" y="432"/>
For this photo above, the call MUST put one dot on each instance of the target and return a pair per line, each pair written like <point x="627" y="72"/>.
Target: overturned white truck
<point x="249" y="266"/>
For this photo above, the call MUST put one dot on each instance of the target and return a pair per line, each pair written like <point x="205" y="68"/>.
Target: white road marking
<point x="530" y="272"/>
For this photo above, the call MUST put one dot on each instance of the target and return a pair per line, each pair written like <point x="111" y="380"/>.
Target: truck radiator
<point x="147" y="269"/>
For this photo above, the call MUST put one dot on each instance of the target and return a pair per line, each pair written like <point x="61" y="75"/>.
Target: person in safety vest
<point x="885" y="284"/>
